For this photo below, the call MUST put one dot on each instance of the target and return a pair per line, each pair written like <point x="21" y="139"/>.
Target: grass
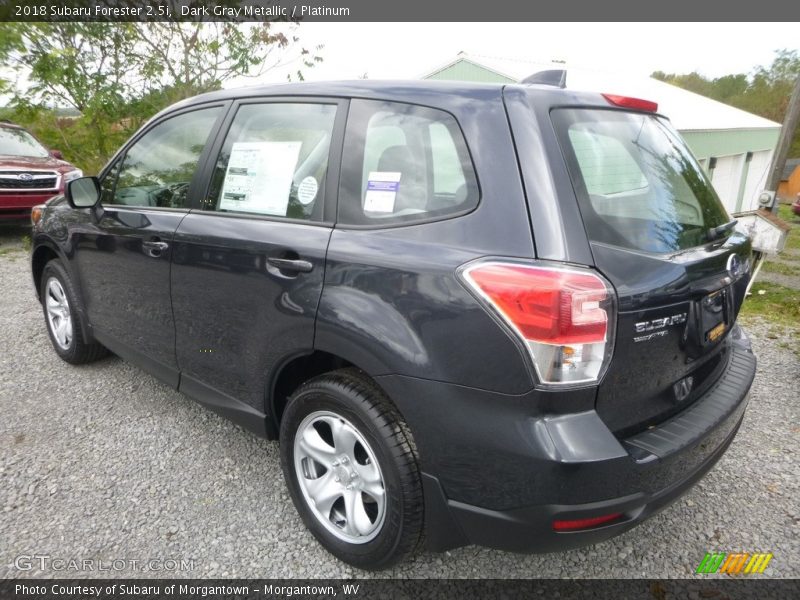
<point x="789" y="340"/>
<point x="793" y="239"/>
<point x="780" y="307"/>
<point x="781" y="268"/>
<point x="777" y="303"/>
<point x="14" y="238"/>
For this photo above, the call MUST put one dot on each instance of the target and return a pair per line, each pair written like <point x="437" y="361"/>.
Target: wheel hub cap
<point x="59" y="316"/>
<point x="339" y="477"/>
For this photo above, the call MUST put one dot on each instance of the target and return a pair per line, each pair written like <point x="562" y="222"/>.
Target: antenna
<point x="554" y="77"/>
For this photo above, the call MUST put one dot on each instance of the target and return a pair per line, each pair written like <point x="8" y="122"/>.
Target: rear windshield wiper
<point x="716" y="232"/>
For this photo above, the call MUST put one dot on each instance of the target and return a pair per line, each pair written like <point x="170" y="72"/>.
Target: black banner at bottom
<point x="397" y="589"/>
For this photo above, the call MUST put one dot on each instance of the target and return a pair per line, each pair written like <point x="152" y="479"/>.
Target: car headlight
<point x="70" y="175"/>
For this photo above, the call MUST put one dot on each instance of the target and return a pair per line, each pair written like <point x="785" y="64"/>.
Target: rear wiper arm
<point x="716" y="232"/>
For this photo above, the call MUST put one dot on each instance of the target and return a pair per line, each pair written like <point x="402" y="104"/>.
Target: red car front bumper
<point x="17" y="205"/>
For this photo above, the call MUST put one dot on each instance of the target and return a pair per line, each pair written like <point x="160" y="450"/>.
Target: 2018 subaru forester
<point x="500" y="315"/>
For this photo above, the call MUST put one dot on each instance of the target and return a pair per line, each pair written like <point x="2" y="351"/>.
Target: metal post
<point x="790" y="122"/>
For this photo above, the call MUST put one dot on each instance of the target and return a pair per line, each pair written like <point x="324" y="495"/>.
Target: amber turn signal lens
<point x="36" y="213"/>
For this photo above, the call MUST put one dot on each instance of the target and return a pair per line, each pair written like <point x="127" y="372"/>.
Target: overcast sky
<point x="409" y="50"/>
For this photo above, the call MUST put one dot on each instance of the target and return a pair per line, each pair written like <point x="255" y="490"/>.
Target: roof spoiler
<point x="554" y="77"/>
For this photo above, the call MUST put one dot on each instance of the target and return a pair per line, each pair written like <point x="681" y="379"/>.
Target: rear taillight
<point x="564" y="315"/>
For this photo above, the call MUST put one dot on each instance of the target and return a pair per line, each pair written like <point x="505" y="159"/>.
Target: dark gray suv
<point x="471" y="314"/>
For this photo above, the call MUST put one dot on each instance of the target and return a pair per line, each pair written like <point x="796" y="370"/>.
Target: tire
<point x="340" y="430"/>
<point x="63" y="317"/>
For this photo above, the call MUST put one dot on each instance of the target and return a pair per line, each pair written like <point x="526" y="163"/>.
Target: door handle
<point x="297" y="265"/>
<point x="154" y="248"/>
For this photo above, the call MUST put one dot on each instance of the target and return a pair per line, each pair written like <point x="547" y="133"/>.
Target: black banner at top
<point x="399" y="10"/>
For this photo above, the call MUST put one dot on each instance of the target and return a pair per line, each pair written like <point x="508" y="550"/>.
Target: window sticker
<point x="382" y="189"/>
<point x="307" y="191"/>
<point x="259" y="177"/>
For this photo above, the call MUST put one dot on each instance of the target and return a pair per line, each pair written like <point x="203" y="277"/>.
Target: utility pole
<point x="790" y="123"/>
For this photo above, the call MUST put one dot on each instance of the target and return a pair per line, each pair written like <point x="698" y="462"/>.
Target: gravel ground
<point x="104" y="462"/>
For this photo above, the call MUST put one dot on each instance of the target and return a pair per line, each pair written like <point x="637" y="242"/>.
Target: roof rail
<point x="554" y="77"/>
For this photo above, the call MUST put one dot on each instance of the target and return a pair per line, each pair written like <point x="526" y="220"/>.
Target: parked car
<point x="29" y="173"/>
<point x="796" y="206"/>
<point x="471" y="314"/>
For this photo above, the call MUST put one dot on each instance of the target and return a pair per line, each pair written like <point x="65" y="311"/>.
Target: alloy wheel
<point x="59" y="317"/>
<point x="339" y="477"/>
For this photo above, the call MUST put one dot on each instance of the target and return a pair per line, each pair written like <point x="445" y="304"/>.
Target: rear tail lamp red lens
<point x="565" y="316"/>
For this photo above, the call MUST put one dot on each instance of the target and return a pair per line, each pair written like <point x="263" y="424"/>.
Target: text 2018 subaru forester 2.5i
<point x="471" y="314"/>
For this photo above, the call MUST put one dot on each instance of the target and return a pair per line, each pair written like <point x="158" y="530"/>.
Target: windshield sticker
<point x="382" y="189"/>
<point x="259" y="177"/>
<point x="307" y="191"/>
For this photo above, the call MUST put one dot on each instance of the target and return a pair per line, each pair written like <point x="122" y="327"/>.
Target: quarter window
<point x="274" y="161"/>
<point x="159" y="167"/>
<point x="406" y="163"/>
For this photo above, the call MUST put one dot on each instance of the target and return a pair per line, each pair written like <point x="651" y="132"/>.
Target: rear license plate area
<point x="714" y="316"/>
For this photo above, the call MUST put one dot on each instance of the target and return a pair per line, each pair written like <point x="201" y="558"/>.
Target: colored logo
<point x="734" y="563"/>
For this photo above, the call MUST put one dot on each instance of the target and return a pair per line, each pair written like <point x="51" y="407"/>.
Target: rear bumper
<point x="18" y="205"/>
<point x="526" y="475"/>
<point x="531" y="529"/>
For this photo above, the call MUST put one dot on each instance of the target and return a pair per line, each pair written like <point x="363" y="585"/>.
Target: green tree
<point x="117" y="75"/>
<point x="79" y="65"/>
<point x="186" y="59"/>
<point x="765" y="92"/>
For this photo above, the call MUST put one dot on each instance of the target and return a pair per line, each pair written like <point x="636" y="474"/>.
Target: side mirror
<point x="57" y="154"/>
<point x="83" y="192"/>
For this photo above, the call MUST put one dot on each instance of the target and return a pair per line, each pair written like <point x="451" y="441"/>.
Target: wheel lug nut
<point x="353" y="474"/>
<point x="336" y="478"/>
<point x="349" y="487"/>
<point x="344" y="460"/>
<point x="336" y="463"/>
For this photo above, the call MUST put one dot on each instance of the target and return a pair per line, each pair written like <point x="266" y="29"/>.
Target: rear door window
<point x="404" y="164"/>
<point x="638" y="185"/>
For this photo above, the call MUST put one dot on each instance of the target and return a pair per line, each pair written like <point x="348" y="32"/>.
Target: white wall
<point x="727" y="179"/>
<point x="756" y="179"/>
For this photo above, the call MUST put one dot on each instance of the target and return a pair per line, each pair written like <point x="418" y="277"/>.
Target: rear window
<point x="638" y="185"/>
